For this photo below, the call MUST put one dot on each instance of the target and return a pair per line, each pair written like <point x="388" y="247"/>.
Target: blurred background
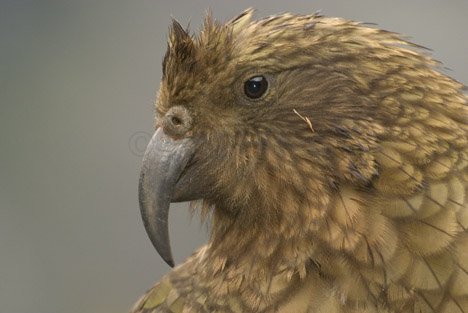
<point x="77" y="87"/>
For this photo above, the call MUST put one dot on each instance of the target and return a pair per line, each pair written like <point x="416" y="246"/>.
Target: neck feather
<point x="267" y="237"/>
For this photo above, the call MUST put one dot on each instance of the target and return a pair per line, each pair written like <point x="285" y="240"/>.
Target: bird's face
<point x="257" y="121"/>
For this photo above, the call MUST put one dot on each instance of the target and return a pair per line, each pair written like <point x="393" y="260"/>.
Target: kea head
<point x="265" y="120"/>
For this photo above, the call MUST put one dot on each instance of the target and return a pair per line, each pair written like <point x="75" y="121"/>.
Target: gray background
<point x="77" y="85"/>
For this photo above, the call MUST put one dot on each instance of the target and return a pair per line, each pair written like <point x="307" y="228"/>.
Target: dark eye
<point x="255" y="87"/>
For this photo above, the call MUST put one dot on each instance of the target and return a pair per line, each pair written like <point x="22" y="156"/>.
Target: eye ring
<point x="255" y="87"/>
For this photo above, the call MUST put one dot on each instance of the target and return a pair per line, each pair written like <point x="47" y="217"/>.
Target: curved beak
<point x="164" y="163"/>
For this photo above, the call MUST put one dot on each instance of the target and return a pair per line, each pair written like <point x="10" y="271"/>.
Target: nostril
<point x="176" y="121"/>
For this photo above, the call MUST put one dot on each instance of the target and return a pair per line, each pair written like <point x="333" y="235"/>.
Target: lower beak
<point x="160" y="184"/>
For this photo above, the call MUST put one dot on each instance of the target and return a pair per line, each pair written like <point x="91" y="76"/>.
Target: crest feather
<point x="240" y="22"/>
<point x="180" y="54"/>
<point x="178" y="35"/>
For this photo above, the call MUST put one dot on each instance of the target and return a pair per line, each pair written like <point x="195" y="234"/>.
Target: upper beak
<point x="164" y="179"/>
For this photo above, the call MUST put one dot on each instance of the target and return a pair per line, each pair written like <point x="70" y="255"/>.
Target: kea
<point x="330" y="159"/>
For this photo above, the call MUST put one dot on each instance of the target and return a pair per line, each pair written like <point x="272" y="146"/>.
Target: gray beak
<point x="160" y="184"/>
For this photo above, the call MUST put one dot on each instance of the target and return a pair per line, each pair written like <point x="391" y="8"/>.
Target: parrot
<point x="330" y="158"/>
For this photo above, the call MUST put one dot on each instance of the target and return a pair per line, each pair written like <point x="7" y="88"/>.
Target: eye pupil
<point x="255" y="87"/>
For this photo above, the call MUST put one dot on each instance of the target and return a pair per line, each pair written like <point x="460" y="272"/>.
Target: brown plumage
<point x="340" y="190"/>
